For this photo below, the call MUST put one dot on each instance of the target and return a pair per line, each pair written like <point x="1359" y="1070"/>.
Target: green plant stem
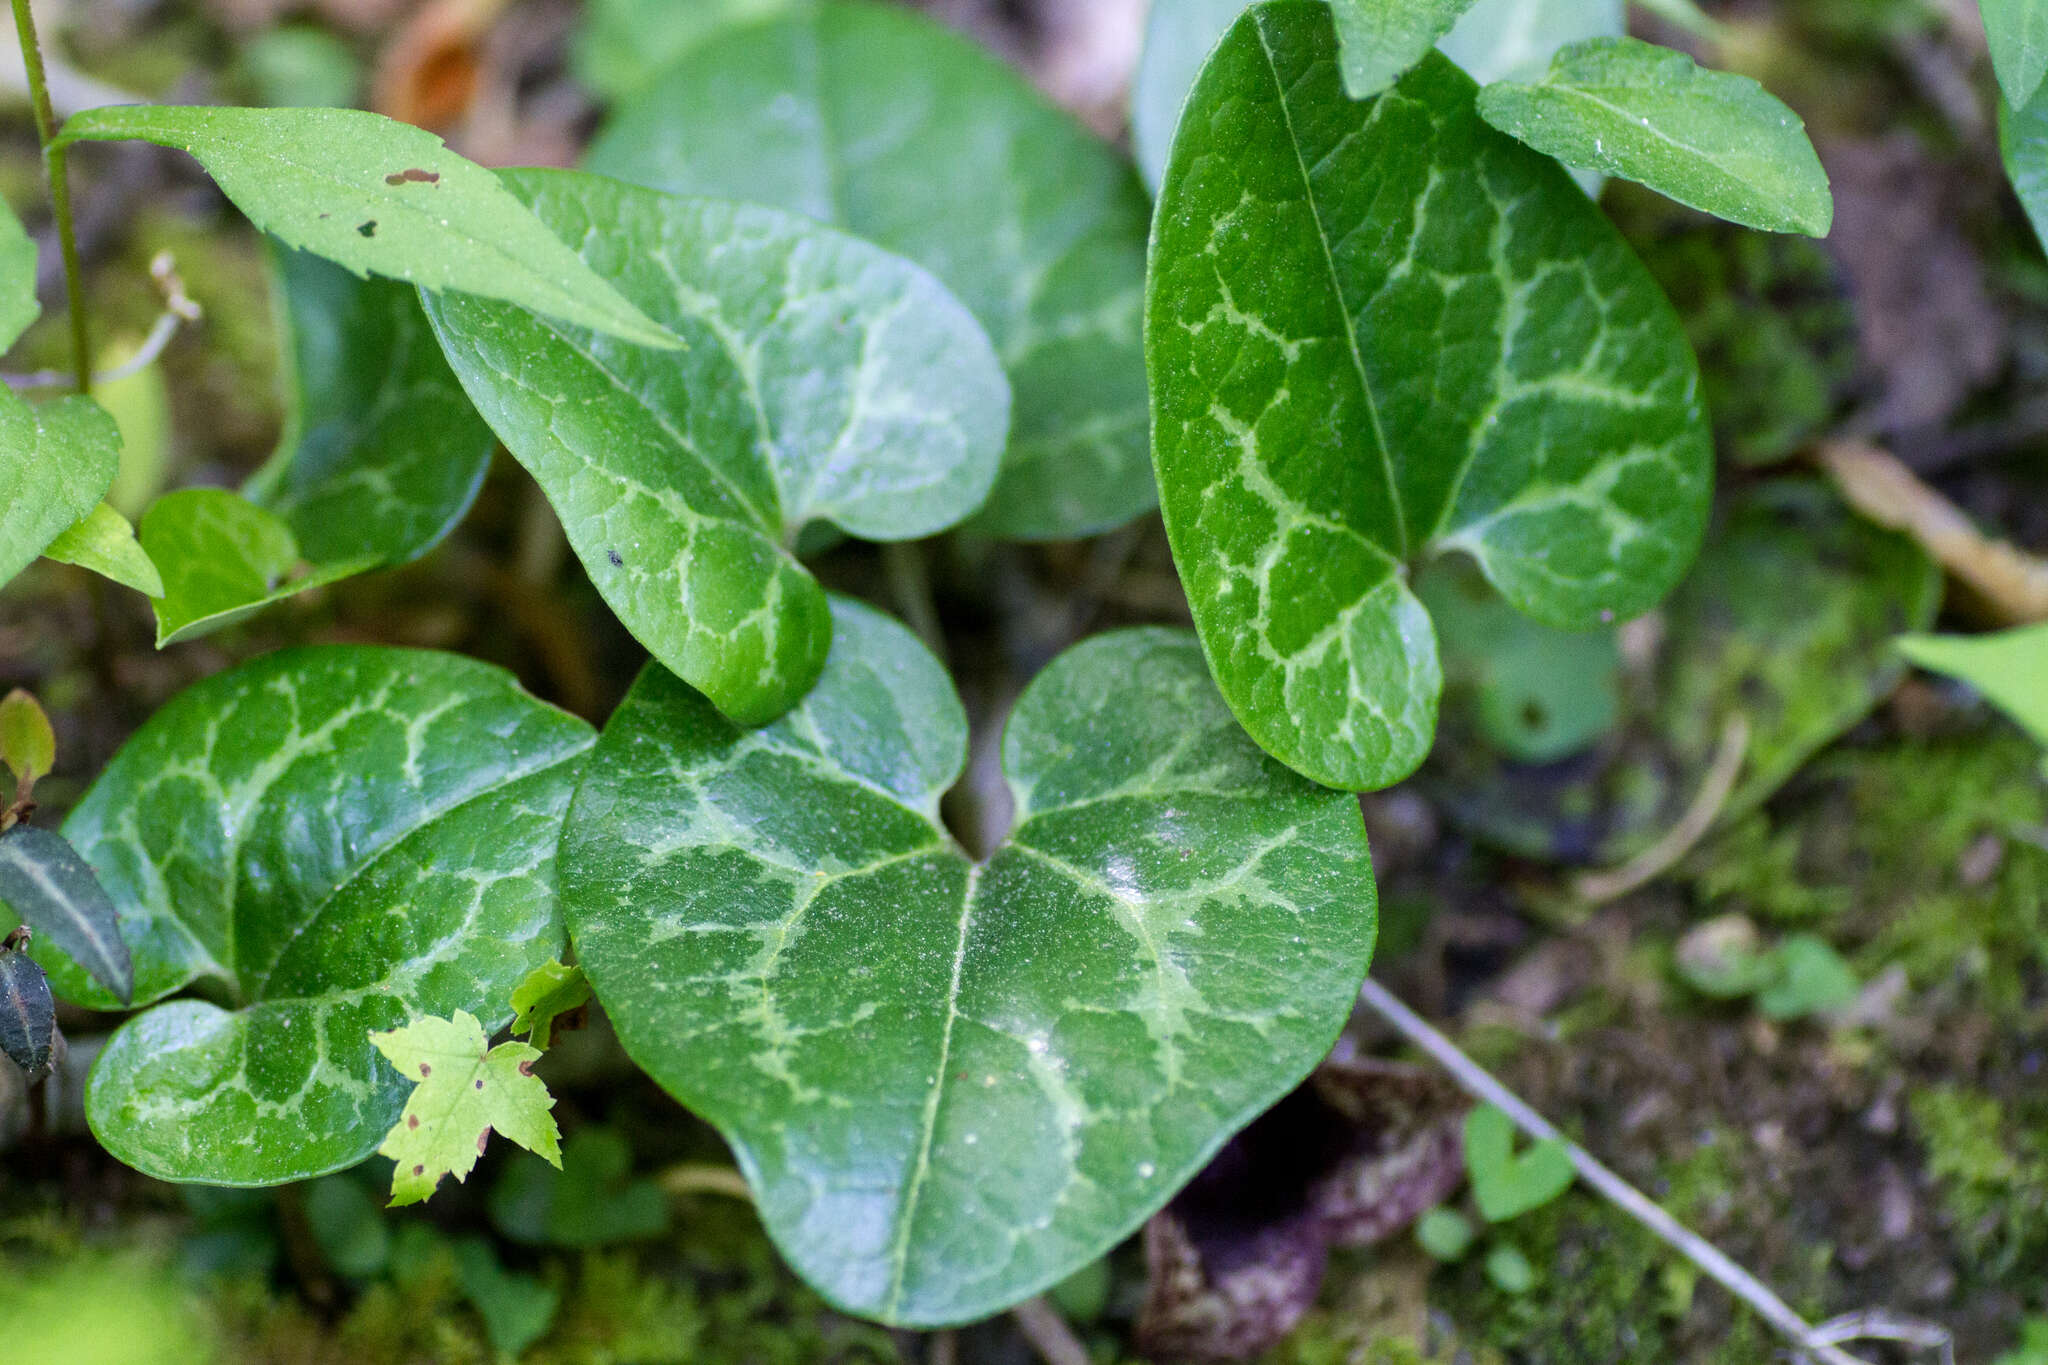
<point x="60" y="191"/>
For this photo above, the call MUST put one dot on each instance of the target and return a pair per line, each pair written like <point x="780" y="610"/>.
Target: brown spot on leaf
<point x="481" y="1139"/>
<point x="526" y="1067"/>
<point x="412" y="1120"/>
<point x="479" y="1082"/>
<point x="426" y="1070"/>
<point x="414" y="176"/>
<point x="419" y="1170"/>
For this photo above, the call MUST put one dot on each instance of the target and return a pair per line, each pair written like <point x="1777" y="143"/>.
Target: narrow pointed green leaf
<point x="383" y="453"/>
<point x="2017" y="31"/>
<point x="52" y="890"/>
<point x="223" y="559"/>
<point x="61" y="458"/>
<point x="105" y="543"/>
<point x="1712" y="139"/>
<point x="952" y="1085"/>
<point x="381" y="198"/>
<point x="2009" y="668"/>
<point x="880" y="121"/>
<point x="1382" y="40"/>
<point x="28" y="1016"/>
<point x="326" y="841"/>
<point x="825" y="381"/>
<point x="1380" y="331"/>
<point x="19" y="306"/>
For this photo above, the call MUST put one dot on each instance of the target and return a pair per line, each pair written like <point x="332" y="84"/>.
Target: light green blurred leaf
<point x="2009" y="668"/>
<point x="1380" y="41"/>
<point x="1711" y="139"/>
<point x="2017" y="31"/>
<point x="61" y="457"/>
<point x="105" y="543"/>
<point x="623" y="45"/>
<point x="18" y="304"/>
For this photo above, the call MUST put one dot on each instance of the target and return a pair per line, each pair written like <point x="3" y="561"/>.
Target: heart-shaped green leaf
<point x="1381" y="40"/>
<point x="105" y="543"/>
<point x="1379" y="331"/>
<point x="2017" y="31"/>
<point x="1712" y="139"/>
<point x="18" y="304"/>
<point x="951" y="1084"/>
<point x="61" y="458"/>
<point x="54" y="892"/>
<point x="1505" y="1183"/>
<point x="325" y="841"/>
<point x="880" y="121"/>
<point x="383" y="452"/>
<point x="825" y="380"/>
<point x="382" y="198"/>
<point x="223" y="559"/>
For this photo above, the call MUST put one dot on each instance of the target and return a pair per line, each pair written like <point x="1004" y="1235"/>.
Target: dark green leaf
<point x="591" y="1201"/>
<point x="880" y="121"/>
<point x="516" y="1309"/>
<point x="1380" y="331"/>
<point x="382" y="198"/>
<point x="825" y="381"/>
<point x="1382" y="40"/>
<point x="383" y="453"/>
<point x="348" y="1227"/>
<point x="1812" y="978"/>
<point x="2017" y="31"/>
<point x="1717" y="141"/>
<point x="951" y="1085"/>
<point x="54" y="892"/>
<point x="105" y="543"/>
<point x="223" y="559"/>
<point x="327" y="841"/>
<point x="28" y="1016"/>
<point x="61" y="458"/>
<point x="18" y="304"/>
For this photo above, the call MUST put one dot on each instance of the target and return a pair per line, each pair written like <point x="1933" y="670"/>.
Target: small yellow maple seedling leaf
<point x="462" y="1093"/>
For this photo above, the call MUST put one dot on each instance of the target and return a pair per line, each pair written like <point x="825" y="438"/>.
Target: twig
<point x="1623" y="1195"/>
<point x="701" y="1177"/>
<point x="178" y="310"/>
<point x="1876" y="1325"/>
<point x="1049" y="1334"/>
<point x="1653" y="862"/>
<point x="60" y="191"/>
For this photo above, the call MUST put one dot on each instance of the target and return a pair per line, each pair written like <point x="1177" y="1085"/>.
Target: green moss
<point x="1992" y="1165"/>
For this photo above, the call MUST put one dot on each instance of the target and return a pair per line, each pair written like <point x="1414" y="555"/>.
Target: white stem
<point x="1631" y="1201"/>
<point x="178" y="310"/>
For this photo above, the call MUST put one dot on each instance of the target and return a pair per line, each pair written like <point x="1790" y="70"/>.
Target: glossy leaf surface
<point x="1381" y="40"/>
<point x="105" y="543"/>
<point x="950" y="1084"/>
<point x="54" y="892"/>
<point x="825" y="380"/>
<point x="18" y="304"/>
<point x="61" y="457"/>
<point x="2017" y="31"/>
<point x="324" y="841"/>
<point x="1711" y="139"/>
<point x="28" y="1015"/>
<point x="223" y="559"/>
<point x="381" y="198"/>
<point x="383" y="453"/>
<point x="878" y="120"/>
<point x="1379" y="331"/>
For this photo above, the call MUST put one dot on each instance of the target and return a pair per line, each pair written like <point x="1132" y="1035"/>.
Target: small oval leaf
<point x="28" y="1015"/>
<point x="951" y="1085"/>
<point x="825" y="381"/>
<point x="28" y="746"/>
<point x="46" y="883"/>
<point x="1380" y="331"/>
<point x="331" y="840"/>
<point x="888" y="125"/>
<point x="1711" y="139"/>
<point x="382" y="198"/>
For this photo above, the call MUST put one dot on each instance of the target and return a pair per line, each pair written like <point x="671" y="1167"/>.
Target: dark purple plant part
<point x="1353" y="1156"/>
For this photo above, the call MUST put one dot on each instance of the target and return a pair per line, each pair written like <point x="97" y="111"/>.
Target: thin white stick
<point x="1637" y="1205"/>
<point x="178" y="309"/>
